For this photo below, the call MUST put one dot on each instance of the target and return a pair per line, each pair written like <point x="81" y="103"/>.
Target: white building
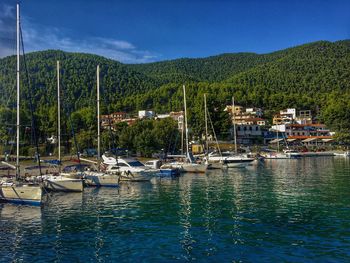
<point x="146" y="114"/>
<point x="289" y="112"/>
<point x="163" y="116"/>
<point x="258" y="112"/>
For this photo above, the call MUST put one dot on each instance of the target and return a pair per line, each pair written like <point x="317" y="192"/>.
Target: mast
<point x="206" y="124"/>
<point x="278" y="140"/>
<point x="58" y="114"/>
<point x="98" y="117"/>
<point x="18" y="98"/>
<point x="185" y="106"/>
<point x="234" y="122"/>
<point x="182" y="134"/>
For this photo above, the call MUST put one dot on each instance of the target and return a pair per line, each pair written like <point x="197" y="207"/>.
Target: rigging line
<point x="114" y="146"/>
<point x="212" y="126"/>
<point x="31" y="104"/>
<point x="69" y="113"/>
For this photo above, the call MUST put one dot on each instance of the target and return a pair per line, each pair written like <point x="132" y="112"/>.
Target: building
<point x="284" y="117"/>
<point x="246" y="116"/>
<point x="249" y="123"/>
<point x="307" y="130"/>
<point x="163" y="116"/>
<point x="243" y="120"/>
<point x="146" y="114"/>
<point x="258" y="112"/>
<point x="179" y="117"/>
<point x="249" y="133"/>
<point x="237" y="110"/>
<point x="113" y="118"/>
<point x="304" y="117"/>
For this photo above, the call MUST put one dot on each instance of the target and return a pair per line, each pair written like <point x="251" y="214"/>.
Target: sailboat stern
<point x="23" y="194"/>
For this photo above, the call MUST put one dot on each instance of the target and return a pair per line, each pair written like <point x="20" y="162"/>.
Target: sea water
<point x="279" y="211"/>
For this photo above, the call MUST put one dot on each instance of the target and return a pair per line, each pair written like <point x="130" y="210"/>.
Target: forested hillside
<point x="313" y="76"/>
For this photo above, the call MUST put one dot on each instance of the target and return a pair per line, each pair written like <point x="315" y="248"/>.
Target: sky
<point x="141" y="31"/>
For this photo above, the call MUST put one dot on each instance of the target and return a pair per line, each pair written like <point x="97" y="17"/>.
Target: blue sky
<point x="137" y="31"/>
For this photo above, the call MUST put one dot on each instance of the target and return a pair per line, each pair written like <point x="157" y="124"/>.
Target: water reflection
<point x="284" y="210"/>
<point x="19" y="225"/>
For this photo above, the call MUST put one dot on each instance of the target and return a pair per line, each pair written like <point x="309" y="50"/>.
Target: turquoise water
<point x="283" y="211"/>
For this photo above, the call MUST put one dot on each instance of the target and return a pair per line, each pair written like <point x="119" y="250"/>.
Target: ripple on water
<point x="292" y="210"/>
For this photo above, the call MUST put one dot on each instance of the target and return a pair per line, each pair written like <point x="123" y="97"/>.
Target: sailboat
<point x="286" y="154"/>
<point x="63" y="181"/>
<point x="99" y="178"/>
<point x="236" y="160"/>
<point x="17" y="191"/>
<point x="215" y="159"/>
<point x="189" y="165"/>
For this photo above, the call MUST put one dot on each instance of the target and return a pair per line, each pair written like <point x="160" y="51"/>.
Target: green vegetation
<point x="314" y="76"/>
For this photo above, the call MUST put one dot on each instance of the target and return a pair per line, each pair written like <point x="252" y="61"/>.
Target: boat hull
<point x="186" y="167"/>
<point x="102" y="180"/>
<point x="23" y="194"/>
<point x="169" y="172"/>
<point x="238" y="164"/>
<point x="135" y="177"/>
<point x="64" y="185"/>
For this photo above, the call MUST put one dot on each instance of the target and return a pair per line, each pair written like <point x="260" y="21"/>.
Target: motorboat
<point x="281" y="155"/>
<point x="130" y="169"/>
<point x="231" y="160"/>
<point x="292" y="154"/>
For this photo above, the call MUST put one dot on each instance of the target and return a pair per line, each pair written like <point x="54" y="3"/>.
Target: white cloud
<point x="38" y="37"/>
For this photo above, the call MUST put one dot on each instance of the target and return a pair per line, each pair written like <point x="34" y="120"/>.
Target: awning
<point x="309" y="140"/>
<point x="327" y="140"/>
<point x="276" y="140"/>
<point x="291" y="140"/>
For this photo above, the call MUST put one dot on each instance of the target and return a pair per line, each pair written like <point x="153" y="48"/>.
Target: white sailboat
<point x="99" y="178"/>
<point x="16" y="191"/>
<point x="189" y="165"/>
<point x="214" y="159"/>
<point x="286" y="154"/>
<point x="236" y="160"/>
<point x="62" y="182"/>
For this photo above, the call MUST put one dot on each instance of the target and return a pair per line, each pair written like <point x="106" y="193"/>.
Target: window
<point x="135" y="163"/>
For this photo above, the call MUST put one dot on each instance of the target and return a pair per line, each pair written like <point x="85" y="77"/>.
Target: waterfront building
<point x="249" y="133"/>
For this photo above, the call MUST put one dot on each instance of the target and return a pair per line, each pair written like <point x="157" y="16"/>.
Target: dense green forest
<point x="313" y="76"/>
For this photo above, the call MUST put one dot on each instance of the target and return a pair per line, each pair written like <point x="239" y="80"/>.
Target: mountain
<point x="78" y="78"/>
<point x="304" y="76"/>
<point x="211" y="69"/>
